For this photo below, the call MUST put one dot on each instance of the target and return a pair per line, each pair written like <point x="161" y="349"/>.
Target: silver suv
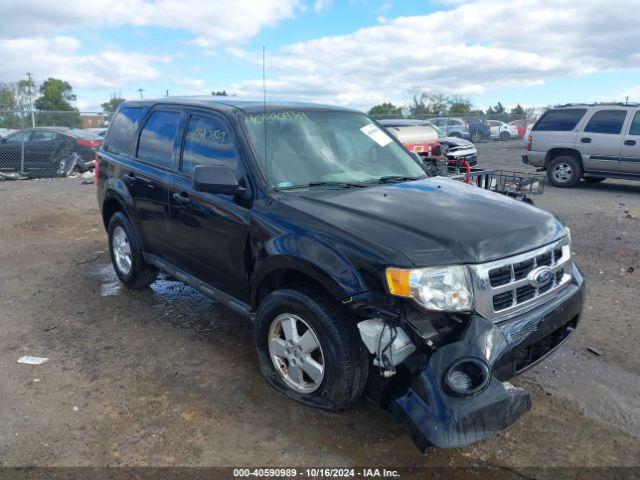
<point x="593" y="142"/>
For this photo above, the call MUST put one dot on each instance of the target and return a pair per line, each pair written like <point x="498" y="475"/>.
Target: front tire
<point x="126" y="254"/>
<point x="564" y="171"/>
<point x="504" y="136"/>
<point x="309" y="348"/>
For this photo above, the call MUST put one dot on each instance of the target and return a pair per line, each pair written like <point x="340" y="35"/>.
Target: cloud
<point x="58" y="57"/>
<point x="211" y="22"/>
<point x="320" y="5"/>
<point x="472" y="48"/>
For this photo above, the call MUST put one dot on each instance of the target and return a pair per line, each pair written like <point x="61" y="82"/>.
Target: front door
<point x="601" y="139"/>
<point x="209" y="231"/>
<point x="630" y="153"/>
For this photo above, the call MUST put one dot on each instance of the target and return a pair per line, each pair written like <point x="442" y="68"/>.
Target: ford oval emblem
<point x="540" y="276"/>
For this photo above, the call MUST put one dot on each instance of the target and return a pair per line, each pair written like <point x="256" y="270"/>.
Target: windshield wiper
<point x="396" y="178"/>
<point x="322" y="184"/>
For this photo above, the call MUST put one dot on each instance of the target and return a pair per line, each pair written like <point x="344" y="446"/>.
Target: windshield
<point x="440" y="133"/>
<point x="326" y="147"/>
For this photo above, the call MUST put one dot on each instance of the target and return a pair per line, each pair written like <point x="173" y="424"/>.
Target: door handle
<point x="630" y="143"/>
<point x="585" y="140"/>
<point x="182" y="198"/>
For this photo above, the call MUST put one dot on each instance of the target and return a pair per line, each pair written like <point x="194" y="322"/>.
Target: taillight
<point x="466" y="125"/>
<point x="89" y="143"/>
<point x="96" y="170"/>
<point x="529" y="143"/>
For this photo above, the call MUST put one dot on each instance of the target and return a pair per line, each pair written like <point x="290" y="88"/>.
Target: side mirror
<point x="216" y="179"/>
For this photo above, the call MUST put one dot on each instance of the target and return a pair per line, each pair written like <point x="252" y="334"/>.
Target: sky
<point x="354" y="53"/>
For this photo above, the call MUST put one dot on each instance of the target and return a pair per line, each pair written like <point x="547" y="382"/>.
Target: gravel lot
<point x="167" y="377"/>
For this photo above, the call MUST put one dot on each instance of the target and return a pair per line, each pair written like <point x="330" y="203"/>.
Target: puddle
<point x="603" y="391"/>
<point x="110" y="284"/>
<point x="180" y="305"/>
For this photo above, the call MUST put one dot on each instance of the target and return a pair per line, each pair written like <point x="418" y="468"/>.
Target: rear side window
<point x="208" y="142"/>
<point x="123" y="126"/>
<point x="563" y="120"/>
<point x="606" y="121"/>
<point x="158" y="136"/>
<point x="635" y="124"/>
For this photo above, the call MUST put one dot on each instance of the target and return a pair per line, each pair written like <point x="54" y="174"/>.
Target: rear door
<point x="209" y="231"/>
<point x="630" y="152"/>
<point x="556" y="128"/>
<point x="601" y="139"/>
<point x="148" y="179"/>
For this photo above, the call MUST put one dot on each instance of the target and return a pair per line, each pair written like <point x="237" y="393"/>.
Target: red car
<point x="522" y="125"/>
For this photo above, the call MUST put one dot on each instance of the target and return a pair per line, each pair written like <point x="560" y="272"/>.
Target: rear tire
<point x="126" y="254"/>
<point x="564" y="171"/>
<point x="336" y="344"/>
<point x="504" y="136"/>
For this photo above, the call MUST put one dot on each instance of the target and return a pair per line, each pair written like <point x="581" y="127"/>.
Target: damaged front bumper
<point x="434" y="416"/>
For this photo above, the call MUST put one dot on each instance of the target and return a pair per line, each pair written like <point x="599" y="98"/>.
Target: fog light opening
<point x="467" y="377"/>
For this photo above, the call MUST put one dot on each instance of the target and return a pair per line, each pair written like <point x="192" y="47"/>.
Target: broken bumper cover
<point x="435" y="417"/>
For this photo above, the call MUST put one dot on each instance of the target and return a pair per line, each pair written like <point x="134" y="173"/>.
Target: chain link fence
<point x="48" y="144"/>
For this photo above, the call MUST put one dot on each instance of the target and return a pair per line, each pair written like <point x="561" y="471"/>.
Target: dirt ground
<point x="167" y="377"/>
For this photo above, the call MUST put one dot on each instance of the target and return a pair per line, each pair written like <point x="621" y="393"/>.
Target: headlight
<point x="435" y="288"/>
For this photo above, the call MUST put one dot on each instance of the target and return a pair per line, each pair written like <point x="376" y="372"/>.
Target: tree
<point x="8" y="99"/>
<point x="385" y="108"/>
<point x="499" y="109"/>
<point x="460" y="105"/>
<point x="220" y="93"/>
<point x="55" y="96"/>
<point x="517" y="110"/>
<point x="423" y="103"/>
<point x="110" y="107"/>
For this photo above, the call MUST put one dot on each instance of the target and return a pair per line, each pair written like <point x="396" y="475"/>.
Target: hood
<point x="453" y="142"/>
<point x="434" y="221"/>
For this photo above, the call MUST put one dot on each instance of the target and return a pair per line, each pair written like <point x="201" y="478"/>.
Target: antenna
<point x="264" y="111"/>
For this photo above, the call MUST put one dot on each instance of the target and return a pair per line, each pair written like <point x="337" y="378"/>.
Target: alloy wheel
<point x="121" y="250"/>
<point x="296" y="353"/>
<point x="562" y="172"/>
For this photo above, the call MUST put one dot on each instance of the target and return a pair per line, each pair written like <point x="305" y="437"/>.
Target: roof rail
<point x="615" y="104"/>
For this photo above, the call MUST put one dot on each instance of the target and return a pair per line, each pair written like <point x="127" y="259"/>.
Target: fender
<point x="313" y="258"/>
<point x="115" y="189"/>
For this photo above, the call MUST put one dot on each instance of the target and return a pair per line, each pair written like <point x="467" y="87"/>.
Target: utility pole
<point x="30" y="92"/>
<point x="141" y="90"/>
<point x="166" y="93"/>
<point x="626" y="100"/>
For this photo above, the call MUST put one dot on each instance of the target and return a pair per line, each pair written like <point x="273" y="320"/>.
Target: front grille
<point x="508" y="286"/>
<point x="524" y="357"/>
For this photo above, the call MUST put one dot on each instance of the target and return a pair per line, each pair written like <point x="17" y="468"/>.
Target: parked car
<point x="453" y="127"/>
<point x="587" y="141"/>
<point x="48" y="151"/>
<point x="455" y="149"/>
<point x="501" y="130"/>
<point x="420" y="138"/>
<point x="354" y="264"/>
<point x="522" y="125"/>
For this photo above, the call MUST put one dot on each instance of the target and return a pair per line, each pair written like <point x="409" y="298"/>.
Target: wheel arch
<point x="282" y="270"/>
<point x="559" y="151"/>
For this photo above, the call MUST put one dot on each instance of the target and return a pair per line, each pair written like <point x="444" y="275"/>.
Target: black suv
<point x="358" y="268"/>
